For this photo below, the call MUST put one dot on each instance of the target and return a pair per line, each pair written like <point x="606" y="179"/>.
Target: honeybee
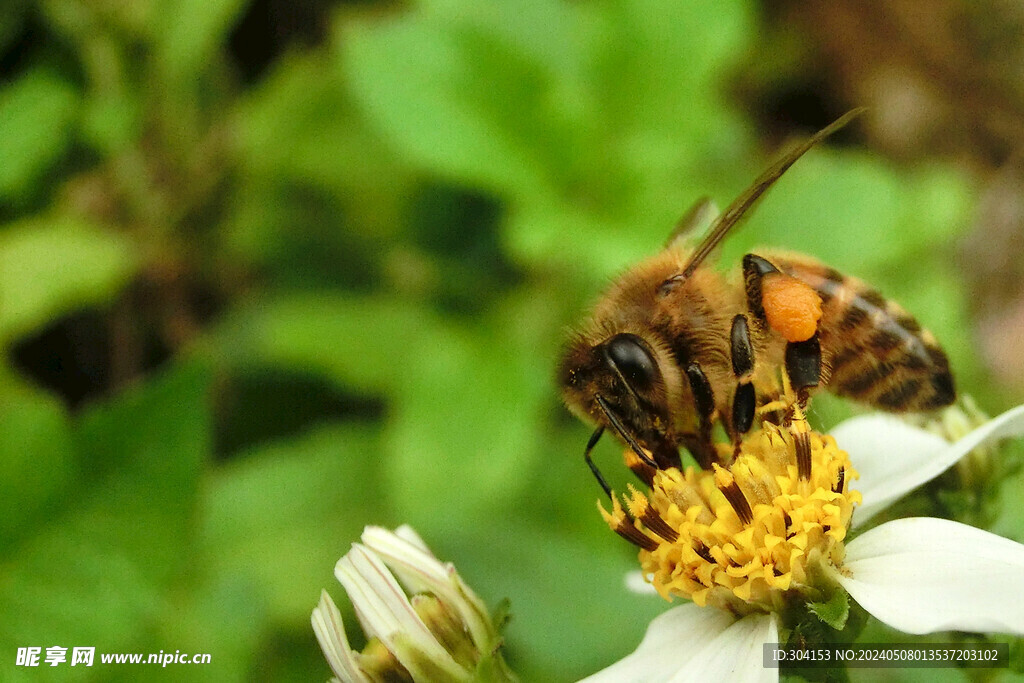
<point x="675" y="348"/>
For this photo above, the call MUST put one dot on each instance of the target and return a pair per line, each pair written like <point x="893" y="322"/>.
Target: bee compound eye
<point x="629" y="354"/>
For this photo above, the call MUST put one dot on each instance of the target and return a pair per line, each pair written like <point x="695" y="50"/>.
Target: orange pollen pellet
<point x="791" y="306"/>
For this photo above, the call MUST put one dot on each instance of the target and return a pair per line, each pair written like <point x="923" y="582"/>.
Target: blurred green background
<point x="271" y="271"/>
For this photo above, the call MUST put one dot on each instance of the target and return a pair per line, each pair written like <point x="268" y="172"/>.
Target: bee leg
<point x="803" y="367"/>
<point x="755" y="268"/>
<point x="630" y="440"/>
<point x="773" y="409"/>
<point x="744" y="402"/>
<point x="803" y="358"/>
<point x="594" y="438"/>
<point x="700" y="444"/>
<point x="701" y="447"/>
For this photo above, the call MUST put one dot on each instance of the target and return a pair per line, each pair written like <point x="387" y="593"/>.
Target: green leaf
<point x="639" y="47"/>
<point x="36" y="456"/>
<point x="465" y="425"/>
<point x="11" y="23"/>
<point x="112" y="120"/>
<point x="96" y="572"/>
<point x="565" y="111"/>
<point x="37" y="114"/>
<point x="536" y="98"/>
<point x="357" y="342"/>
<point x="548" y="575"/>
<point x="216" y="614"/>
<point x="300" y="124"/>
<point x="314" y="177"/>
<point x="188" y="33"/>
<point x="280" y="516"/>
<point x="50" y="266"/>
<point x="447" y="107"/>
<point x="833" y="612"/>
<point x="461" y="406"/>
<point x="588" y="247"/>
<point x="152" y="441"/>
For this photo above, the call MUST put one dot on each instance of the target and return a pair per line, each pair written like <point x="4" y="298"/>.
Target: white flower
<point x="918" y="575"/>
<point x="442" y="633"/>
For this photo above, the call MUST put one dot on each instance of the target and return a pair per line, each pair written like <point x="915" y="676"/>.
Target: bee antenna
<point x="742" y="204"/>
<point x="626" y="436"/>
<point x="594" y="438"/>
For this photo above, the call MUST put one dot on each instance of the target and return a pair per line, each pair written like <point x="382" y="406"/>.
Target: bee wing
<point x="699" y="218"/>
<point x="742" y="204"/>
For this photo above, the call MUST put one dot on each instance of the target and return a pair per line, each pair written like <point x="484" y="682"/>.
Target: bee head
<point x="619" y="383"/>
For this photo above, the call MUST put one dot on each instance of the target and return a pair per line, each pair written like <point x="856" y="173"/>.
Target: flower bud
<point x="423" y="623"/>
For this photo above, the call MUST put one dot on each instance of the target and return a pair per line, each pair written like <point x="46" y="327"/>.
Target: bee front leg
<point x="744" y="402"/>
<point x="594" y="438"/>
<point x="700" y="444"/>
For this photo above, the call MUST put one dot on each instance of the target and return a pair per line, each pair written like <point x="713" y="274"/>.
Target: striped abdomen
<point x="872" y="350"/>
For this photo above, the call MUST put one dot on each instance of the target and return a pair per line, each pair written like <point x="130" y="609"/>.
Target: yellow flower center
<point x="743" y="537"/>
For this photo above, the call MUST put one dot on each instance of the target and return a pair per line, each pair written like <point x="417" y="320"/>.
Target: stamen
<point x="802" y="441"/>
<point x="727" y="485"/>
<point x="653" y="521"/>
<point x="686" y="496"/>
<point x="756" y="482"/>
<point x="641" y="469"/>
<point x="703" y="552"/>
<point x="622" y="523"/>
<point x="640" y="507"/>
<point x="800" y="430"/>
<point x="838" y="488"/>
<point x="635" y="536"/>
<point x="788" y="508"/>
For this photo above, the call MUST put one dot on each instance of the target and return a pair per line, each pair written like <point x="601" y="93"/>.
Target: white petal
<point x="737" y="654"/>
<point x="894" y="458"/>
<point x="671" y="641"/>
<point x="689" y="641"/>
<point x="924" y="575"/>
<point x="330" y="632"/>
<point x="380" y="603"/>
<point x="384" y="610"/>
<point x="882" y="445"/>
<point x="422" y="572"/>
<point x="636" y="583"/>
<point x="408" y="533"/>
<point x="885" y="449"/>
<point x="427" y="572"/>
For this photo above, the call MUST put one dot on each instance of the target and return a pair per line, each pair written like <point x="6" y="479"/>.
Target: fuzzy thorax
<point x="747" y="537"/>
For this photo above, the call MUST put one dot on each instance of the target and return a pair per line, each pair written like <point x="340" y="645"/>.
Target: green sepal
<point x="492" y="669"/>
<point x="834" y="612"/>
<point x="421" y="665"/>
<point x="806" y="628"/>
<point x="502" y="615"/>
